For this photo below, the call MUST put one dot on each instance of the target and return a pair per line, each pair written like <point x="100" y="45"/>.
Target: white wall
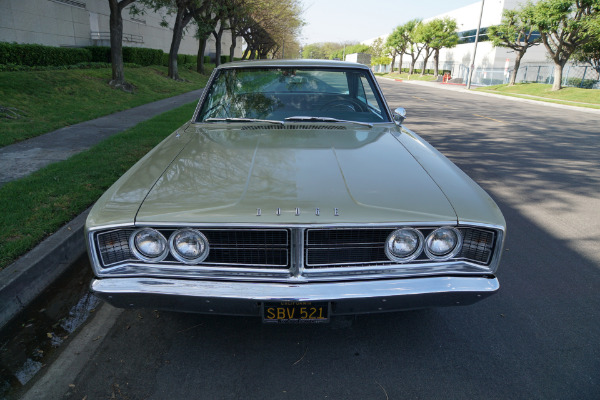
<point x="71" y="23"/>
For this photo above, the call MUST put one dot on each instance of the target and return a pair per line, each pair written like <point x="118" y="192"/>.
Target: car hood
<point x="273" y="174"/>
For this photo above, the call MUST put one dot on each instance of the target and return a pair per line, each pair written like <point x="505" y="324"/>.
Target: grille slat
<point x="292" y="127"/>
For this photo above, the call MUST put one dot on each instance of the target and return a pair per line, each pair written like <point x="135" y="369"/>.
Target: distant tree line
<point x="267" y="26"/>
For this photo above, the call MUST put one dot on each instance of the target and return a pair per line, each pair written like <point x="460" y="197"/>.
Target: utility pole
<point x="475" y="49"/>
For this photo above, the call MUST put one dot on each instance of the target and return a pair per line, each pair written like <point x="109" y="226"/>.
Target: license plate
<point x="294" y="312"/>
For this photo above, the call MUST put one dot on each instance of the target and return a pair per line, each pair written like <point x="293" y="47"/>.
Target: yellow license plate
<point x="295" y="312"/>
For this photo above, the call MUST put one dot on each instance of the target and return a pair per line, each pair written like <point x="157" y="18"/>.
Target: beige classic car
<point x="294" y="194"/>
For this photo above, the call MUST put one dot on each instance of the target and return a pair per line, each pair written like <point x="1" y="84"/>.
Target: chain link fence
<point x="580" y="76"/>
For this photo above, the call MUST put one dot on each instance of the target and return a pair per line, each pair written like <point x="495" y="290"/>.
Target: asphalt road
<point x="538" y="338"/>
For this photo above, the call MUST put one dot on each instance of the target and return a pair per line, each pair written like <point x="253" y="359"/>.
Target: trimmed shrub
<point x="142" y="56"/>
<point x="100" y="53"/>
<point x="38" y="55"/>
<point x="224" y="59"/>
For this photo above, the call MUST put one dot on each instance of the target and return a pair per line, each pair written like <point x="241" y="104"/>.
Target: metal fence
<point x="581" y="76"/>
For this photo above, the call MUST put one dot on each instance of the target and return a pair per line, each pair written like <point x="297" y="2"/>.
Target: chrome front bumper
<point x="245" y="298"/>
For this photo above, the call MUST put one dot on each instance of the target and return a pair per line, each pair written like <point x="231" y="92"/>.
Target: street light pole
<point x="472" y="67"/>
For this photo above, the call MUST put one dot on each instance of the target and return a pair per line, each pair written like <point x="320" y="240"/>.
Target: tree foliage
<point x="517" y="32"/>
<point x="565" y="25"/>
<point x="398" y="44"/>
<point x="332" y="50"/>
<point x="441" y="34"/>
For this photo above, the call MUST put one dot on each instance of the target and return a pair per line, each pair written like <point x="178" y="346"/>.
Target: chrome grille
<point x="114" y="247"/>
<point x="477" y="245"/>
<point x="326" y="248"/>
<point x="339" y="247"/>
<point x="268" y="248"/>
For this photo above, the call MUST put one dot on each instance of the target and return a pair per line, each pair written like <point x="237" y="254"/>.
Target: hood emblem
<point x="297" y="212"/>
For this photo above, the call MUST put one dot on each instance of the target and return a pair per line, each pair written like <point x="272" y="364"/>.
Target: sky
<point x="358" y="20"/>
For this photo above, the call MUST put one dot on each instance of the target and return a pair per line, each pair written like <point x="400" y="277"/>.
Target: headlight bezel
<point x="448" y="255"/>
<point x="140" y="254"/>
<point x="180" y="257"/>
<point x="414" y="254"/>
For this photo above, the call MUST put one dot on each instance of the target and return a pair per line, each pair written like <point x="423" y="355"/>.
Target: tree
<point x="398" y="43"/>
<point x="116" y="44"/>
<point x="411" y="34"/>
<point x="516" y="32"/>
<point x="590" y="54"/>
<point x="267" y="25"/>
<point x="444" y="36"/>
<point x="204" y="27"/>
<point x="184" y="11"/>
<point x="565" y="25"/>
<point x="424" y="34"/>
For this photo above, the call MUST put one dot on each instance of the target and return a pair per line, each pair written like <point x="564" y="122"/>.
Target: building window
<point x="469" y="36"/>
<point x="73" y="3"/>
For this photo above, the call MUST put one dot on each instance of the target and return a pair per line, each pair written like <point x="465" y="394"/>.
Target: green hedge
<point x="35" y="55"/>
<point x="38" y="55"/>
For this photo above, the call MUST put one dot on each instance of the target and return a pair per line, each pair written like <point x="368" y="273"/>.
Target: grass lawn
<point x="36" y="206"/>
<point x="49" y="100"/>
<point x="407" y="77"/>
<point x="568" y="95"/>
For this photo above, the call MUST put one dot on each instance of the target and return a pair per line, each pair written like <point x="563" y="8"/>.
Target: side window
<point x="365" y="92"/>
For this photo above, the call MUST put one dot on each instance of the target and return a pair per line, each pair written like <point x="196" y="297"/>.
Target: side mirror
<point x="399" y="115"/>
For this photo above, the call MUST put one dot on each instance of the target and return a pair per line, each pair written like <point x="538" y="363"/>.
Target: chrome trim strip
<point x="288" y="224"/>
<point x="259" y="291"/>
<point x="203" y="96"/>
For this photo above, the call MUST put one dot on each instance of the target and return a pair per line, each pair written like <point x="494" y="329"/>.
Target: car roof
<point x="292" y="64"/>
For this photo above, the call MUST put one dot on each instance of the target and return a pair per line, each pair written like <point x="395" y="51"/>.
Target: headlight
<point x="148" y="244"/>
<point x="404" y="244"/>
<point x="443" y="243"/>
<point x="189" y="246"/>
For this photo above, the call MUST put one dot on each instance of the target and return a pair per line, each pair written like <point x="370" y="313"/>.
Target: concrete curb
<point x="517" y="99"/>
<point x="22" y="281"/>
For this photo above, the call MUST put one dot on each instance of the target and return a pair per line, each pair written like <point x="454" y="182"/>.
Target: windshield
<point x="279" y="93"/>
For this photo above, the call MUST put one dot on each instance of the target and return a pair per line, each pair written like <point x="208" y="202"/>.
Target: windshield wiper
<point x="327" y="119"/>
<point x="270" y="121"/>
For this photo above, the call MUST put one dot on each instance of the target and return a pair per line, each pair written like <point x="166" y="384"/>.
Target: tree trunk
<point x="400" y="63"/>
<point x="181" y="20"/>
<point x="413" y="61"/>
<point x="218" y="35"/>
<point x="116" y="44"/>
<point x="393" y="61"/>
<point x="558" y="72"/>
<point x="245" y="55"/>
<point x="201" y="50"/>
<point x="425" y="61"/>
<point x="513" y="75"/>
<point x="436" y="63"/>
<point x="232" y="47"/>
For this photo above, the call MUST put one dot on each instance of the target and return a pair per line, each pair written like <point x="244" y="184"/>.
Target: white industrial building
<point x="492" y="64"/>
<point x="77" y="23"/>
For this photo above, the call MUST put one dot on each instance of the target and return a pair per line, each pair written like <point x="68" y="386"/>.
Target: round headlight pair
<point x="406" y="244"/>
<point x="189" y="246"/>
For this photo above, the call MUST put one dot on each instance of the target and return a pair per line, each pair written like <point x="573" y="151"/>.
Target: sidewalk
<point x="22" y="281"/>
<point x="23" y="158"/>
<point x="462" y="88"/>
